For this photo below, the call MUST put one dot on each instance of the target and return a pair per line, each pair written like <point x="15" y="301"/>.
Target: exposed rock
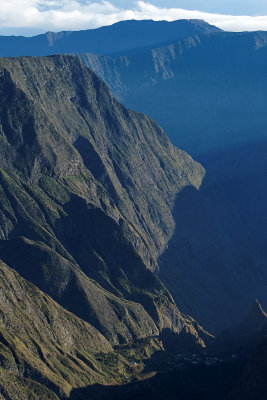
<point x="87" y="189"/>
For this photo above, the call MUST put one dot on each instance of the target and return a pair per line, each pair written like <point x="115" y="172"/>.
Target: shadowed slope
<point x="207" y="91"/>
<point x="87" y="189"/>
<point x="218" y="252"/>
<point x="252" y="383"/>
<point x="42" y="342"/>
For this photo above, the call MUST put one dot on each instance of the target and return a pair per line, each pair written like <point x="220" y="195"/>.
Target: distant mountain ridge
<point x="90" y="195"/>
<point x="208" y="90"/>
<point x="121" y="36"/>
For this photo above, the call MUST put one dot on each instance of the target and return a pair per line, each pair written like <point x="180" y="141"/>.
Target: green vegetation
<point x="86" y="195"/>
<point x="44" y="342"/>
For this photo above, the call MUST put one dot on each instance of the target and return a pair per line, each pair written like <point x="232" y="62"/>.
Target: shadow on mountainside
<point x="221" y="371"/>
<point x="192" y="383"/>
<point x="215" y="263"/>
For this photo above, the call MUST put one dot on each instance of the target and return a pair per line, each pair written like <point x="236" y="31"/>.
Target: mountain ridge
<point x="208" y="91"/>
<point x="91" y="195"/>
<point x="49" y="339"/>
<point x="192" y="72"/>
<point x="79" y="197"/>
<point x="108" y="39"/>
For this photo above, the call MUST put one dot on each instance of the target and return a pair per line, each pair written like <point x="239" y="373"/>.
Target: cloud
<point x="56" y="15"/>
<point x="226" y="22"/>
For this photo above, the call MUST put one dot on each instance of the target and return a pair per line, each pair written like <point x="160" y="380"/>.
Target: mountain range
<point x="116" y="247"/>
<point x="208" y="91"/>
<point x="87" y="189"/>
<point x="121" y="36"/>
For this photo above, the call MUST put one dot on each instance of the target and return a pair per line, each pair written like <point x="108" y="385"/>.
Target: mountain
<point x="200" y="88"/>
<point x="86" y="195"/>
<point x="44" y="350"/>
<point x="218" y="250"/>
<point x="224" y="371"/>
<point x="142" y="160"/>
<point x="119" y="37"/>
<point x="207" y="91"/>
<point x="96" y="207"/>
<point x="233" y="364"/>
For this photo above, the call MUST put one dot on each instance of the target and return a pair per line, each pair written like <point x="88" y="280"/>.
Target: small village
<point x="181" y="361"/>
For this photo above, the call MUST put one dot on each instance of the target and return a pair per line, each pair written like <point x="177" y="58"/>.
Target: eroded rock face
<point x="87" y="189"/>
<point x="75" y="124"/>
<point x="42" y="342"/>
<point x="208" y="92"/>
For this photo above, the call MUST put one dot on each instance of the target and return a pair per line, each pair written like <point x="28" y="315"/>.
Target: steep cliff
<point x="87" y="189"/>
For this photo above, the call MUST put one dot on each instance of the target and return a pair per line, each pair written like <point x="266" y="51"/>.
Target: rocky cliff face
<point x="58" y="118"/>
<point x="87" y="188"/>
<point x="202" y="96"/>
<point x="218" y="252"/>
<point x="42" y="346"/>
<point x="86" y="195"/>
<point x="209" y="93"/>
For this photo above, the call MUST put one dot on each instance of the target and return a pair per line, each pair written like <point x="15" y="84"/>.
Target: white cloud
<point x="226" y="22"/>
<point x="59" y="15"/>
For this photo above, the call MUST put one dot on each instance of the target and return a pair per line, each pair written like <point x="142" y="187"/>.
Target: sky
<point x="31" y="17"/>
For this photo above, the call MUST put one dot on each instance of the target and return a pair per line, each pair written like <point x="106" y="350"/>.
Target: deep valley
<point x="133" y="216"/>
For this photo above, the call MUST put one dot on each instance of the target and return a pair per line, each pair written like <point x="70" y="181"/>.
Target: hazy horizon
<point x="39" y="16"/>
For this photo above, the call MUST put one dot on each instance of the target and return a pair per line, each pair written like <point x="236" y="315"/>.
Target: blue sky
<point x="233" y="7"/>
<point x="29" y="17"/>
